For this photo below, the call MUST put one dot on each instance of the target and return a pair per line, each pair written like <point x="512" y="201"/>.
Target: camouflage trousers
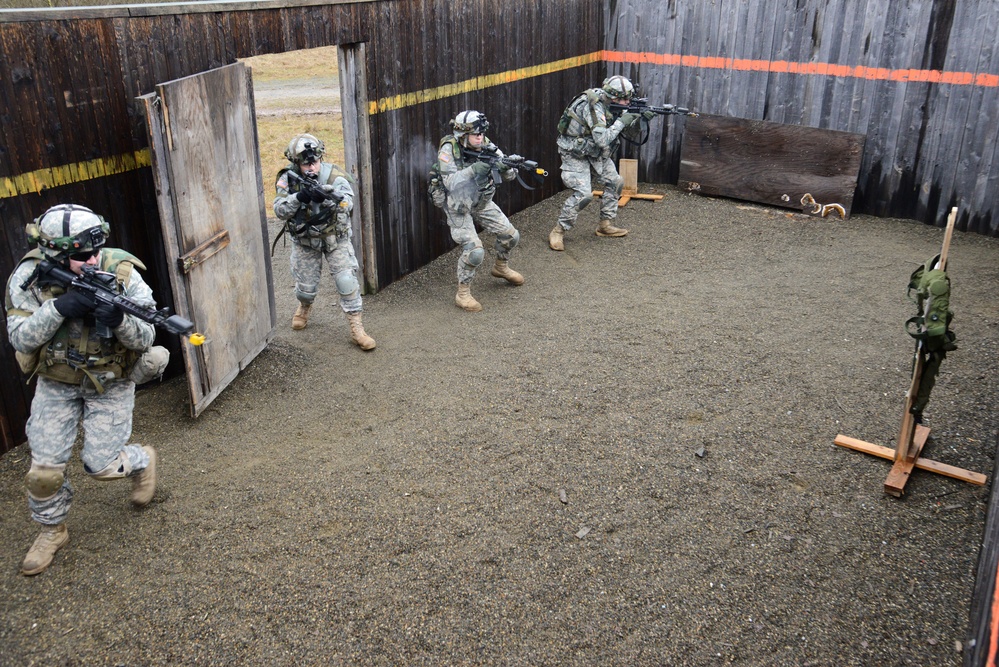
<point x="491" y="219"/>
<point x="57" y="412"/>
<point x="576" y="174"/>
<point x="307" y="266"/>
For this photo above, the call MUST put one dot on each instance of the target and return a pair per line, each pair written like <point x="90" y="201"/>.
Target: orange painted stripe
<point x="820" y="69"/>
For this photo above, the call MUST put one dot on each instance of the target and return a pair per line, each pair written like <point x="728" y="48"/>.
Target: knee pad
<point x="583" y="201"/>
<point x="150" y="365"/>
<point x="346" y="283"/>
<point x="508" y="241"/>
<point x="475" y="255"/>
<point x="306" y="297"/>
<point x="119" y="467"/>
<point x="615" y="186"/>
<point x="44" y="480"/>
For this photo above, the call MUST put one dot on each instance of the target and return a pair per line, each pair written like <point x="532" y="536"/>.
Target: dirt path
<point x="404" y="506"/>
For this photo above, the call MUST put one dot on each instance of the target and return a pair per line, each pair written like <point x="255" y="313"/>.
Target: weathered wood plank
<point x="769" y="163"/>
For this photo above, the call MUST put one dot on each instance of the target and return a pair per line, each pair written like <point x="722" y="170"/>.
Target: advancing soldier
<point x="463" y="186"/>
<point x="588" y="137"/>
<point x="88" y="357"/>
<point x="315" y="199"/>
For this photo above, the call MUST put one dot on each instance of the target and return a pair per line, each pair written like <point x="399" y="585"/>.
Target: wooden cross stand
<point x="629" y="171"/>
<point x="913" y="436"/>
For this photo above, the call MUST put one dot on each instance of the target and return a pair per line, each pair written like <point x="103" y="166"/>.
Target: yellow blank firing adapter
<point x="197" y="339"/>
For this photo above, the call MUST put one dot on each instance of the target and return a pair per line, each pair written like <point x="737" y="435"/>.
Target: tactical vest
<point x="312" y="220"/>
<point x="69" y="357"/>
<point x="931" y="288"/>
<point x="436" y="189"/>
<point x="575" y="109"/>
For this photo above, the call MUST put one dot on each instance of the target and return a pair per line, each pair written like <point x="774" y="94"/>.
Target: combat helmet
<point x="305" y="148"/>
<point x="469" y="122"/>
<point x="618" y="87"/>
<point x="68" y="229"/>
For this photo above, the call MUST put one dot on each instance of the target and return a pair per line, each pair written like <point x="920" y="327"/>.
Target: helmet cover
<point x="469" y="122"/>
<point x="619" y="87"/>
<point x="305" y="148"/>
<point x="68" y="229"/>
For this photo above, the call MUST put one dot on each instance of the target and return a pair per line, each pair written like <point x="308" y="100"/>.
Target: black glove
<point x="75" y="303"/>
<point x="303" y="197"/>
<point x="109" y="315"/>
<point x="318" y="196"/>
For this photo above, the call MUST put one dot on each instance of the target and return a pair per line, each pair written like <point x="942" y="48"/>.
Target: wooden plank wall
<point x="931" y="144"/>
<point x="66" y="109"/>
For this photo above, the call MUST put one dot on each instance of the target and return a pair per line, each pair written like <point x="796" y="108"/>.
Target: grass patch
<point x="274" y="133"/>
<point x="305" y="64"/>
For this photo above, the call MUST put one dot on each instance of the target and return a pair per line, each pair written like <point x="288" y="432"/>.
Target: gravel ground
<point x="523" y="486"/>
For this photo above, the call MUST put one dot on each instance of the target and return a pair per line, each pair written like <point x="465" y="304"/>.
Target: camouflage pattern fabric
<point x="470" y="201"/>
<point x="57" y="411"/>
<point x="576" y="175"/>
<point x="310" y="247"/>
<point x="591" y="138"/>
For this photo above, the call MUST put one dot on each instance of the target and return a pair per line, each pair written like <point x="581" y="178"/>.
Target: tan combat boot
<point x="555" y="237"/>
<point x="144" y="483"/>
<point x="44" y="548"/>
<point x="301" y="316"/>
<point x="363" y="340"/>
<point x="464" y="299"/>
<point x="607" y="229"/>
<point x="502" y="270"/>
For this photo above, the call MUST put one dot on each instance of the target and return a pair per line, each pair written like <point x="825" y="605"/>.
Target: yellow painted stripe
<point x="34" y="182"/>
<point x="480" y="83"/>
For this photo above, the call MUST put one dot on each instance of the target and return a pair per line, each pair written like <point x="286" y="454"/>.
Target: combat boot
<point x="363" y="340"/>
<point x="144" y="482"/>
<point x="301" y="317"/>
<point x="44" y="548"/>
<point x="464" y="299"/>
<point x="555" y="237"/>
<point x="502" y="270"/>
<point x="607" y="229"/>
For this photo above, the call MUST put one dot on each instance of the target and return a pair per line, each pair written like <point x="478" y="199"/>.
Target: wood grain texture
<point x="769" y="163"/>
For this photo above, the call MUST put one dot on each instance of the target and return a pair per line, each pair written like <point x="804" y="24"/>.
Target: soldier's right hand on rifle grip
<point x="75" y="303"/>
<point x="629" y="118"/>
<point x="303" y="197"/>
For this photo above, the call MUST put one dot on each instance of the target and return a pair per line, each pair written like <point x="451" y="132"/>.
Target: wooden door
<point x="203" y="134"/>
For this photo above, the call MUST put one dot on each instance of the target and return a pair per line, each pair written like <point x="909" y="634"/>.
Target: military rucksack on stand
<point x="929" y="289"/>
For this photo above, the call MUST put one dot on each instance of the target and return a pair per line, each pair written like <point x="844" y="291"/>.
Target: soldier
<point x="88" y="357"/>
<point x="588" y="137"/>
<point x="463" y="186"/>
<point x="315" y="199"/>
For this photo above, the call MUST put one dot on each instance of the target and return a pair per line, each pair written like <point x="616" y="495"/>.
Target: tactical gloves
<point x="648" y="114"/>
<point x="109" y="315"/>
<point x="629" y="118"/>
<point x="481" y="169"/>
<point x="303" y="197"/>
<point x="75" y="303"/>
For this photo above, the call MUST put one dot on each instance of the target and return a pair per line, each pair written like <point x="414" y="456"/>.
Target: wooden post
<point x="913" y="436"/>
<point x="629" y="172"/>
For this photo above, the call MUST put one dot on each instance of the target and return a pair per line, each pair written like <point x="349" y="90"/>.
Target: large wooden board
<point x="770" y="163"/>
<point x="202" y="130"/>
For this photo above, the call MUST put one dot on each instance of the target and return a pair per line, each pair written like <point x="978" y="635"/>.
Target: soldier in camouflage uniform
<point x="463" y="186"/>
<point x="588" y="138"/>
<point x="315" y="199"/>
<point x="88" y="358"/>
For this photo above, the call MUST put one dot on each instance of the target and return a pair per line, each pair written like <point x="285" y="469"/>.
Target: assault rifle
<point x="490" y="155"/>
<point x="103" y="286"/>
<point x="640" y="104"/>
<point x="310" y="185"/>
